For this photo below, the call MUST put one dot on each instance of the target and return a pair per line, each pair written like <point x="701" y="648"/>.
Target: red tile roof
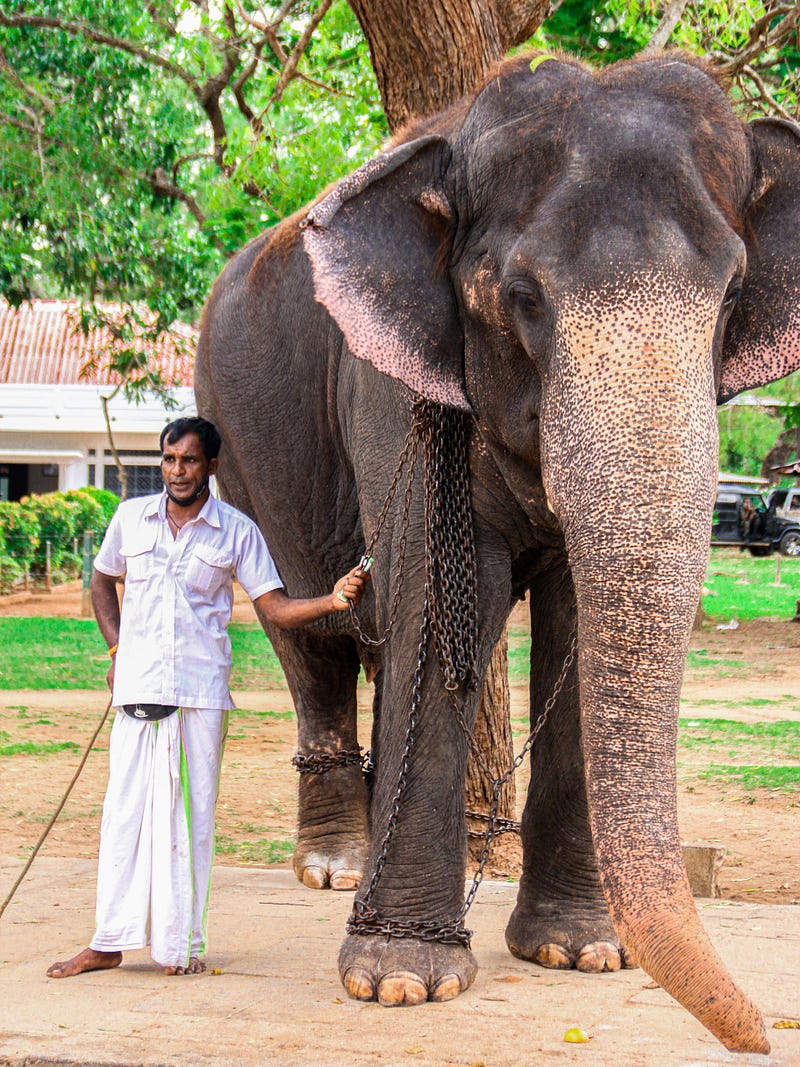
<point x="41" y="344"/>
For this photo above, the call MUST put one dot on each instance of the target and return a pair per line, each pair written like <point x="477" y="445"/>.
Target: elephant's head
<point x="589" y="261"/>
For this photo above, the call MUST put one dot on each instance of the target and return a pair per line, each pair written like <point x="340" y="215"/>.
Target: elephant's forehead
<point x="661" y="132"/>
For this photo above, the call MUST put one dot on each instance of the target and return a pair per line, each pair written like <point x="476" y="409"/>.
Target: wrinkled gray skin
<point x="586" y="263"/>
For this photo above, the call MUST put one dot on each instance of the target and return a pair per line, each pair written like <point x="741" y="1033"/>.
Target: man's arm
<point x="289" y="612"/>
<point x="106" y="610"/>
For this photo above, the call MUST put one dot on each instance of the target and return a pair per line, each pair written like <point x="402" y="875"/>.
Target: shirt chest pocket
<point x="208" y="570"/>
<point x="139" y="554"/>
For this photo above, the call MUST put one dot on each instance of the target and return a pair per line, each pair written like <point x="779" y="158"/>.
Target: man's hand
<point x="110" y="674"/>
<point x="290" y="612"/>
<point x="349" y="590"/>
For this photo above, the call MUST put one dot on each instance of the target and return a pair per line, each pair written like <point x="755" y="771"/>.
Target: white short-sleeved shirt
<point x="173" y="641"/>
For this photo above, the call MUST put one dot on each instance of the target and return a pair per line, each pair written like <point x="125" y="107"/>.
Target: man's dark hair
<point x="205" y="430"/>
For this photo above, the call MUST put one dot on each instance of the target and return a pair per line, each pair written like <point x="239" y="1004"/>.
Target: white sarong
<point x="157" y="834"/>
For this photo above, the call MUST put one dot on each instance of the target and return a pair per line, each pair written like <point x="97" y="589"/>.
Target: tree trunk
<point x="426" y="55"/>
<point x="495" y="743"/>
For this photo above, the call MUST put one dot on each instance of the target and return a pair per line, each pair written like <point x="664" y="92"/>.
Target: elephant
<point x="566" y="272"/>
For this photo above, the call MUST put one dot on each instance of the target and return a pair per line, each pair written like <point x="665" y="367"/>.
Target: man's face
<point x="184" y="467"/>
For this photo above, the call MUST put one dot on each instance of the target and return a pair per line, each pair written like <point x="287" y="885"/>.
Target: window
<point x="142" y="480"/>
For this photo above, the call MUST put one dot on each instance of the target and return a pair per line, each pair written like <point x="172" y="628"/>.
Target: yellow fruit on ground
<point x="576" y="1036"/>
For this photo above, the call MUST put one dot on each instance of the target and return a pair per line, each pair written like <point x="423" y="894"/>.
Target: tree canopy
<point x="144" y="143"/>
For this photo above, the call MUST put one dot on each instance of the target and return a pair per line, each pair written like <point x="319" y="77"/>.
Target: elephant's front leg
<point x="333" y="815"/>
<point x="561" y="918"/>
<point x="415" y="886"/>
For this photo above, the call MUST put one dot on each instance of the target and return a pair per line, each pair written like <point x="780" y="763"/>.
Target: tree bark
<point x="426" y="55"/>
<point x="494" y="741"/>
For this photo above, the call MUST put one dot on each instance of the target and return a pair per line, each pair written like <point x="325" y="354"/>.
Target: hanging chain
<point x="364" y="919"/>
<point x="498" y="783"/>
<point x="450" y="546"/>
<point x="408" y="455"/>
<point x="449" y="618"/>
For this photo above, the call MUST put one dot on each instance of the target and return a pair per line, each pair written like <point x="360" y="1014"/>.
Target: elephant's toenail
<point x="400" y="989"/>
<point x="447" y="988"/>
<point x="553" y="956"/>
<point x="599" y="957"/>
<point x="358" y="984"/>
<point x="345" y="880"/>
<point x="315" y="877"/>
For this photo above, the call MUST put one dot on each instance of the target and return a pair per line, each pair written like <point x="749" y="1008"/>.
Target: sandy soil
<point x="753" y="675"/>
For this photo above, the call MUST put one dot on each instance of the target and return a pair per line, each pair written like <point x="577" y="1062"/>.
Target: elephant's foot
<point x="333" y="862"/>
<point x="333" y="833"/>
<point x="562" y="934"/>
<point x="402" y="971"/>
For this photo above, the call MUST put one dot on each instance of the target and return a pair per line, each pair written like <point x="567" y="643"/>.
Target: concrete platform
<point x="272" y="995"/>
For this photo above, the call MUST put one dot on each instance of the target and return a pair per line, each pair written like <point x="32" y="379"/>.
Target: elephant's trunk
<point x="630" y="691"/>
<point x="635" y="502"/>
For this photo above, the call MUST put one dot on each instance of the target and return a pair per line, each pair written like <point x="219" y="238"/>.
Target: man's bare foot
<point x="194" y="966"/>
<point x="88" y="960"/>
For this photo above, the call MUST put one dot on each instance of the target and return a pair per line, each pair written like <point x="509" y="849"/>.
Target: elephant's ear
<point x="375" y="242"/>
<point x="763" y="338"/>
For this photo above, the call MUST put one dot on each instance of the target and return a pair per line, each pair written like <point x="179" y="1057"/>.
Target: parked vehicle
<point x="743" y="517"/>
<point x="786" y="503"/>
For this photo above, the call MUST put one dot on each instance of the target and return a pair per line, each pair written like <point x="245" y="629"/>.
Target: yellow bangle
<point x="113" y="651"/>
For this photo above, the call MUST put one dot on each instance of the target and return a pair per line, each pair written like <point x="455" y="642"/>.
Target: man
<point x="170" y="665"/>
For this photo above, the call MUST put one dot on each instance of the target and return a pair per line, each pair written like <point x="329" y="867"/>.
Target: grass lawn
<point x="739" y="586"/>
<point x="56" y="653"/>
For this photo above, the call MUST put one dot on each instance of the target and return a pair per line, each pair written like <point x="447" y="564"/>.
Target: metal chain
<point x="498" y="783"/>
<point x="450" y="546"/>
<point x="408" y="456"/>
<point x="321" y="762"/>
<point x="501" y="825"/>
<point x="449" y="617"/>
<point x="416" y="694"/>
<point x="364" y="919"/>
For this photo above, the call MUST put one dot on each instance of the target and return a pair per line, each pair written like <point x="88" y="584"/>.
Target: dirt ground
<point x="752" y="675"/>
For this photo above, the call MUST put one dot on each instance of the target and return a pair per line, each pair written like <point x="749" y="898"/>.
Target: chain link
<point x="501" y="825"/>
<point x="498" y="783"/>
<point x="321" y="762"/>
<point x="408" y="456"/>
<point x="449" y="619"/>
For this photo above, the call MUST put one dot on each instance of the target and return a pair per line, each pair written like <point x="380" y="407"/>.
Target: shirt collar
<point x="209" y="512"/>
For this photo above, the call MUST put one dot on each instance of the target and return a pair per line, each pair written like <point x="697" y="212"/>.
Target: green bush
<point x="69" y="568"/>
<point x="88" y="515"/>
<point x="60" y="518"/>
<point x="19" y="526"/>
<point x="107" y="500"/>
<point x="56" y="525"/>
<point x="10" y="573"/>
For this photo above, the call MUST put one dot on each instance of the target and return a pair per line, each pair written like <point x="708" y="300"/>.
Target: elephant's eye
<point x="732" y="297"/>
<point x="527" y="296"/>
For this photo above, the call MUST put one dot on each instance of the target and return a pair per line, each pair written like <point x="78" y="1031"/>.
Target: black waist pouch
<point x="151" y="712"/>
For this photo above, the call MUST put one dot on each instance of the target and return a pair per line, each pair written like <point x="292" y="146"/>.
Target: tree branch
<point x="160" y="183"/>
<point x="91" y="33"/>
<point x="34" y="94"/>
<point x="664" y="30"/>
<point x="762" y="38"/>
<point x="765" y="94"/>
<point x="290" y="69"/>
<point x="18" y="124"/>
<point x="518" y="20"/>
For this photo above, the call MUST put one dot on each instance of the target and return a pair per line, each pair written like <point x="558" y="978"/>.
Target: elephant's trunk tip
<point x="715" y="1000"/>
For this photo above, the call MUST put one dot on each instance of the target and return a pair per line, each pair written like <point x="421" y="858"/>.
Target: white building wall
<point x="62" y="425"/>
